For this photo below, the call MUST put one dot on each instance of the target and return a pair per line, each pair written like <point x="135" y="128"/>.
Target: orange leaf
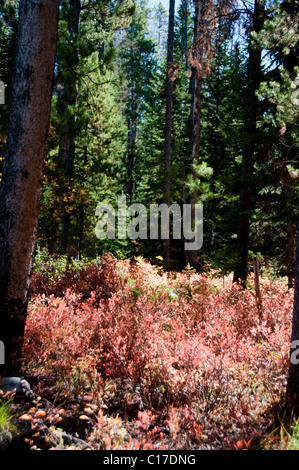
<point x="84" y="418"/>
<point x="239" y="444"/>
<point x="26" y="417"/>
<point x="40" y="414"/>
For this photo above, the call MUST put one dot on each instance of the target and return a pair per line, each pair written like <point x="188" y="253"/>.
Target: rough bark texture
<point x="199" y="40"/>
<point x="196" y="80"/>
<point x="21" y="184"/>
<point x="169" y="118"/>
<point x="254" y="80"/>
<point x="291" y="231"/>
<point x="291" y="240"/>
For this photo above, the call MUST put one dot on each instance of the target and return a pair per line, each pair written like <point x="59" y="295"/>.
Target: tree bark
<point x="200" y="40"/>
<point x="291" y="239"/>
<point x="291" y="231"/>
<point x="254" y="80"/>
<point x="168" y="123"/>
<point x="21" y="185"/>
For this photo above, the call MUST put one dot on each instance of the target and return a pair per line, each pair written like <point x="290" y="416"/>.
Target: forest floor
<point x="121" y="355"/>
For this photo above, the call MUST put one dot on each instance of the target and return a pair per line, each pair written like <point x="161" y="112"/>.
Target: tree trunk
<point x="291" y="230"/>
<point x="254" y="80"/>
<point x="292" y="393"/>
<point x="293" y="379"/>
<point x="21" y="185"/>
<point x="168" y="124"/>
<point x="291" y="240"/>
<point x="201" y="9"/>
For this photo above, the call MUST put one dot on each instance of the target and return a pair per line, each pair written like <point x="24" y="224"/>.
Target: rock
<point x="5" y="439"/>
<point x="14" y="384"/>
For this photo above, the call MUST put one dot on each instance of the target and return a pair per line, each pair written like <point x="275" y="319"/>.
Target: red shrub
<point x="143" y="340"/>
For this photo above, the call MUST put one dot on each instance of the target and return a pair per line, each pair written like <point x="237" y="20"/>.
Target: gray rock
<point x="5" y="439"/>
<point x="14" y="384"/>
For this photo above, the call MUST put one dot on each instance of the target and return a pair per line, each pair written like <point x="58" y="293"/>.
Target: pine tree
<point x="86" y="68"/>
<point x="138" y="63"/>
<point x="281" y="92"/>
<point x="254" y="78"/>
<point x="208" y="23"/>
<point x="168" y="119"/>
<point x="67" y="103"/>
<point x="221" y="143"/>
<point x="160" y="22"/>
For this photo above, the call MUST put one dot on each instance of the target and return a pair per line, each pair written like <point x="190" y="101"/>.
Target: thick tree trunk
<point x="21" y="184"/>
<point x="254" y="80"/>
<point x="169" y="119"/>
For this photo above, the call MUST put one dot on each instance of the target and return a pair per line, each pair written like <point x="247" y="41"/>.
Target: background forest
<point x="107" y="134"/>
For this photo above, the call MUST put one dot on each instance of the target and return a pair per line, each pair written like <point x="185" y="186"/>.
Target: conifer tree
<point x="281" y="91"/>
<point x="254" y="78"/>
<point x="168" y="119"/>
<point x="138" y="62"/>
<point x="207" y="23"/>
<point x="85" y="68"/>
<point x="160" y="16"/>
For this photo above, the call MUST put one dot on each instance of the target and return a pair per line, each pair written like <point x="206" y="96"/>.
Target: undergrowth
<point x="158" y="360"/>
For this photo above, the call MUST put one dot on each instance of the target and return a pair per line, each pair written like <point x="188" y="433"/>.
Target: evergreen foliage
<point x="108" y="126"/>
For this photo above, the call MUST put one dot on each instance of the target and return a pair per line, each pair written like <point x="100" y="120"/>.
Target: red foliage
<point x="100" y="280"/>
<point x="183" y="357"/>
